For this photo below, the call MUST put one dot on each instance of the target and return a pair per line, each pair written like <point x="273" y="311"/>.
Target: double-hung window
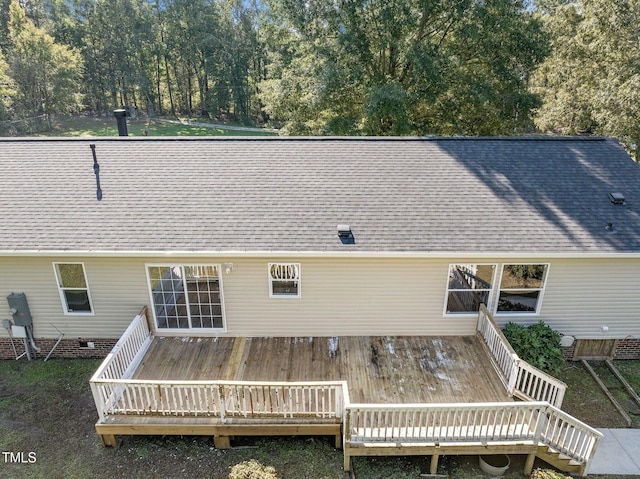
<point x="521" y="288"/>
<point x="284" y="280"/>
<point x="73" y="288"/>
<point x="468" y="286"/>
<point x="186" y="296"/>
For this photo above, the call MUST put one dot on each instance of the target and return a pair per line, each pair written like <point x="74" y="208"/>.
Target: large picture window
<point x="468" y="286"/>
<point x="186" y="296"/>
<point x="284" y="280"/>
<point x="521" y="288"/>
<point x="73" y="288"/>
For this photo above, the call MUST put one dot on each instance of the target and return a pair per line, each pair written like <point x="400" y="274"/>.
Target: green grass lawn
<point x="101" y="126"/>
<point x="631" y="372"/>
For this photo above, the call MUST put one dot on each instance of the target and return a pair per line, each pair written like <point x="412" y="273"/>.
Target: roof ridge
<point x="299" y="138"/>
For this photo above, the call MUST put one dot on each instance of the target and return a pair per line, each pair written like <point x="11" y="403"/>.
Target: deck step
<point x="561" y="456"/>
<point x="559" y="460"/>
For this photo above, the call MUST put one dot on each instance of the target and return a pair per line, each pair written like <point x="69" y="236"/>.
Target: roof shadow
<point x="566" y="181"/>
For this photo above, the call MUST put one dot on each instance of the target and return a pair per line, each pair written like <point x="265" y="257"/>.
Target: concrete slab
<point x="630" y="441"/>
<point x="618" y="453"/>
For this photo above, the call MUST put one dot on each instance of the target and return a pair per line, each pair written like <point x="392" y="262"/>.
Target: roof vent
<point x="345" y="234"/>
<point x="616" y="198"/>
<point x="344" y="231"/>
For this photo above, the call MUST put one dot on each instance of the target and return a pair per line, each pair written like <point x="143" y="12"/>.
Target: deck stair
<point x="559" y="460"/>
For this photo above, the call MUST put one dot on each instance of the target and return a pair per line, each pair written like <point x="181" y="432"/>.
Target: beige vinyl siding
<point x="118" y="291"/>
<point x="343" y="297"/>
<point x="339" y="296"/>
<point x="583" y="295"/>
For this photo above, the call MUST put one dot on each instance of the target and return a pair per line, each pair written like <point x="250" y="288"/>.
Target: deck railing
<point x="122" y="361"/>
<point x="566" y="434"/>
<point x="531" y="383"/>
<point x="474" y="423"/>
<point x="223" y="399"/>
<point x="440" y="423"/>
<point x="505" y="358"/>
<point x="519" y="377"/>
<point x="127" y="353"/>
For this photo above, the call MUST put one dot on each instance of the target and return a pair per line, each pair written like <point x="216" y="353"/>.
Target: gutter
<point x="321" y="254"/>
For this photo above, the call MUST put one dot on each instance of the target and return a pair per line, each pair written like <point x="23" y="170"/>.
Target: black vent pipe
<point x="121" y="118"/>
<point x="96" y="170"/>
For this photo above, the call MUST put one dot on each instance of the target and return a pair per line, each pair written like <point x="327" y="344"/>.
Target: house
<point x="321" y="237"/>
<point x="247" y="253"/>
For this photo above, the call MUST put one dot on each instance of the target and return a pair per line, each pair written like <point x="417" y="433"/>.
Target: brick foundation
<point x="568" y="352"/>
<point x="628" y="349"/>
<point x="68" y="348"/>
<point x="625" y="349"/>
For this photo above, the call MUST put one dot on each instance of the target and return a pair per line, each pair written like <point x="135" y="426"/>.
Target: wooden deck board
<point x="377" y="369"/>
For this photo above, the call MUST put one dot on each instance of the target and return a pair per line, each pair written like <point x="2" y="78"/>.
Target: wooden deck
<point x="382" y="370"/>
<point x="375" y="395"/>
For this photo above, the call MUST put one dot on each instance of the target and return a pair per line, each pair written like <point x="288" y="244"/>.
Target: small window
<point x="72" y="284"/>
<point x="468" y="286"/>
<point x="521" y="288"/>
<point x="284" y="280"/>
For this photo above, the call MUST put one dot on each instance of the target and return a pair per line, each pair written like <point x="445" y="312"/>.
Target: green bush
<point x="252" y="470"/>
<point x="537" y="344"/>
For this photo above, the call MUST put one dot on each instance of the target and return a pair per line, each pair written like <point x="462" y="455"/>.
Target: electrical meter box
<point x="20" y="309"/>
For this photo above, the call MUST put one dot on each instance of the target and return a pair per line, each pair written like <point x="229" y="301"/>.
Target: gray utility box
<point x="22" y="315"/>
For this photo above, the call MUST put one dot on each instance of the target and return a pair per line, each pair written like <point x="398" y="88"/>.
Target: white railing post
<point x="542" y="420"/>
<point x="222" y="403"/>
<point x="559" y="397"/>
<point x="346" y="428"/>
<point x="98" y="400"/>
<point x="594" y="446"/>
<point x="339" y="405"/>
<point x="513" y="377"/>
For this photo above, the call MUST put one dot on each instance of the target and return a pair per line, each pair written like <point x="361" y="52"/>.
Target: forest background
<point x="331" y="67"/>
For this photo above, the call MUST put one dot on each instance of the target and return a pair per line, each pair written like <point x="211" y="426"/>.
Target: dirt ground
<point x="47" y="418"/>
<point x="586" y="401"/>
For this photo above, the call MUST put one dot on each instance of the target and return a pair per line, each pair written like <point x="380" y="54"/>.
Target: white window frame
<point x="273" y="280"/>
<point x="540" y="296"/>
<point x="190" y="329"/>
<point x="491" y="291"/>
<point x="62" y="289"/>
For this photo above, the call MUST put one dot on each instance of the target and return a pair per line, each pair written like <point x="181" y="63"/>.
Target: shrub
<point x="537" y="344"/>
<point x="252" y="470"/>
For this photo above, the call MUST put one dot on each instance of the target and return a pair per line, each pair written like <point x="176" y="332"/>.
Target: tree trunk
<point x="158" y="88"/>
<point x="170" y="90"/>
<point x="189" y="95"/>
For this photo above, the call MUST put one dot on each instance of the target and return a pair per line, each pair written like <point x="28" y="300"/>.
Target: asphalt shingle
<point x="414" y="195"/>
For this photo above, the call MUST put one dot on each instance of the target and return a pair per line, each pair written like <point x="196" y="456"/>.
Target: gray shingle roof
<point x="415" y="195"/>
